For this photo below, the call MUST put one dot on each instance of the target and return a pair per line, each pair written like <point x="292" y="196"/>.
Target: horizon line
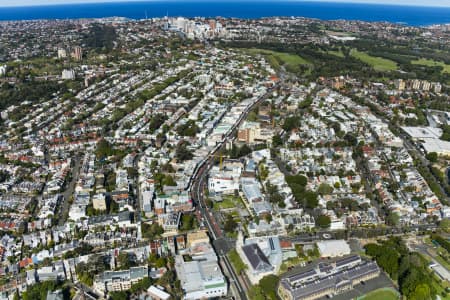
<point x="359" y="2"/>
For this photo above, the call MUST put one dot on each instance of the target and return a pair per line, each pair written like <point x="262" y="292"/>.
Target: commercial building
<point x="248" y="132"/>
<point x="429" y="137"/>
<point x="201" y="277"/>
<point x="198" y="237"/>
<point x="327" y="279"/>
<point x="225" y="179"/>
<point x="251" y="132"/>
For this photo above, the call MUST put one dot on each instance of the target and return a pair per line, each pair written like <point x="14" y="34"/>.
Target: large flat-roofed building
<point x="327" y="279"/>
<point x="200" y="278"/>
<point x="198" y="237"/>
<point x="430" y="139"/>
<point x="251" y="132"/>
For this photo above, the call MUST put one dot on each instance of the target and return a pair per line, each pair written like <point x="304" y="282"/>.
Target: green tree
<point x="311" y="199"/>
<point x="323" y="221"/>
<point x="123" y="260"/>
<point x="256" y="293"/>
<point x="392" y="219"/>
<point x="188" y="222"/>
<point x="252" y="116"/>
<point x="100" y="37"/>
<point x="331" y="205"/>
<point x="167" y="279"/>
<point x="160" y="262"/>
<point x="39" y="290"/>
<point x="182" y="153"/>
<point x="325" y="189"/>
<point x="351" y="139"/>
<point x="269" y="286"/>
<point x="141" y="286"/>
<point x="104" y="149"/>
<point x="297" y="179"/>
<point x="291" y="123"/>
<point x="169" y="181"/>
<point x="263" y="172"/>
<point x="188" y="129"/>
<point x="445" y="224"/>
<point x="422" y="291"/>
<point x="432" y="157"/>
<point x="121" y="295"/>
<point x="151" y="231"/>
<point x="230" y="224"/>
<point x="277" y="141"/>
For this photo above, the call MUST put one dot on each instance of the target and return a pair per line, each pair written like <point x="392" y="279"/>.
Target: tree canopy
<point x="182" y="153"/>
<point x="323" y="221"/>
<point x="100" y="36"/>
<point x="409" y="268"/>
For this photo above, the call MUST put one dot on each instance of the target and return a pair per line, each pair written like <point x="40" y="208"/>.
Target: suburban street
<point x="199" y="183"/>
<point x="69" y="192"/>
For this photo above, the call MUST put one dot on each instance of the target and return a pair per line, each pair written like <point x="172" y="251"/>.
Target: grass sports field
<point x="281" y="58"/>
<point x="432" y="63"/>
<point x="378" y="63"/>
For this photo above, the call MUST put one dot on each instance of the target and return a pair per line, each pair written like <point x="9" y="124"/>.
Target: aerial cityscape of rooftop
<point x="238" y="150"/>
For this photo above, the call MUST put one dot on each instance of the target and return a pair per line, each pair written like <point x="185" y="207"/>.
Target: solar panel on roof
<point x="347" y="260"/>
<point x="272" y="246"/>
<point x="303" y="275"/>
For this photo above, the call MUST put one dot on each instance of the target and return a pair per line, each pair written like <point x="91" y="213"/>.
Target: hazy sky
<point x="403" y="2"/>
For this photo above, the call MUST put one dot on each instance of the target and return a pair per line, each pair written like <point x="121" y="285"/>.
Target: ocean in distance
<point x="248" y="9"/>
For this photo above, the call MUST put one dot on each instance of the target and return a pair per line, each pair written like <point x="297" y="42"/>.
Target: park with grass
<point x="228" y="202"/>
<point x="277" y="59"/>
<point x="336" y="53"/>
<point x="381" y="294"/>
<point x="378" y="63"/>
<point x="432" y="63"/>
